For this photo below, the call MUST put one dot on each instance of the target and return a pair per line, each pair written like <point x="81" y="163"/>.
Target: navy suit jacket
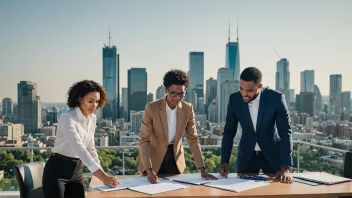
<point x="275" y="144"/>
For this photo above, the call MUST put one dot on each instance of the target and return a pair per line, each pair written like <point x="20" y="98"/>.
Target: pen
<point x="258" y="178"/>
<point x="112" y="173"/>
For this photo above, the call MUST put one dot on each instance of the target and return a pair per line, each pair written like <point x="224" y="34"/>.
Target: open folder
<point x="141" y="184"/>
<point x="195" y="178"/>
<point x="322" y="178"/>
<point x="236" y="184"/>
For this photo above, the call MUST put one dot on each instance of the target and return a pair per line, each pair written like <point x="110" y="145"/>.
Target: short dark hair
<point x="176" y="77"/>
<point x="80" y="89"/>
<point x="252" y="74"/>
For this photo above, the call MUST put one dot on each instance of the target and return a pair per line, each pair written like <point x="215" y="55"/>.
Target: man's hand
<point x="224" y="169"/>
<point x="152" y="177"/>
<point x="206" y="175"/>
<point x="284" y="175"/>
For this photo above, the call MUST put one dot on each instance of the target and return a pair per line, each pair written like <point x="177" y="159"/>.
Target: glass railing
<point x="122" y="160"/>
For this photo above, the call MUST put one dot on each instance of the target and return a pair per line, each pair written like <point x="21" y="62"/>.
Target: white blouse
<point x="75" y="137"/>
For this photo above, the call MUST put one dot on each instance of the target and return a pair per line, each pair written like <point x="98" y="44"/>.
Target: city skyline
<point x="45" y="45"/>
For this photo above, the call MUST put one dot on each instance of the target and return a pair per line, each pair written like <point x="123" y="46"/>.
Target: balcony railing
<point x="299" y="152"/>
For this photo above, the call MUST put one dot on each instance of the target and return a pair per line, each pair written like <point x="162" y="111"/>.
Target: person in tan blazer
<point x="164" y="122"/>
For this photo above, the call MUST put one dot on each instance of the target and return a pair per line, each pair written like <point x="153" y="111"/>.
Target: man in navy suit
<point x="266" y="132"/>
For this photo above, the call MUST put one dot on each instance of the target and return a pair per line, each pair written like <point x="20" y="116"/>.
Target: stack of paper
<point x="106" y="188"/>
<point x="125" y="183"/>
<point x="194" y="178"/>
<point x="236" y="184"/>
<point x="163" y="186"/>
<point x="141" y="184"/>
<point x="322" y="178"/>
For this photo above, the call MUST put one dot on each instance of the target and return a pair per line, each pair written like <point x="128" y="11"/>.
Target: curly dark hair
<point x="82" y="88"/>
<point x="176" y="77"/>
<point x="252" y="74"/>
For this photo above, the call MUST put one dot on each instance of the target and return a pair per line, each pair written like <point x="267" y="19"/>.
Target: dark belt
<point x="57" y="155"/>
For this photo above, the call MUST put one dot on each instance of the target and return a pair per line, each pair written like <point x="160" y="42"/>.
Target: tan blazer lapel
<point x="179" y="120"/>
<point x="163" y="118"/>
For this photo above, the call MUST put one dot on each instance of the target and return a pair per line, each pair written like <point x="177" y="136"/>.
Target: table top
<point x="275" y="189"/>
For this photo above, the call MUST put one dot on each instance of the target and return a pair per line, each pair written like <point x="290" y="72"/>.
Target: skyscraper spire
<point x="109" y="36"/>
<point x="237" y="31"/>
<point x="229" y="31"/>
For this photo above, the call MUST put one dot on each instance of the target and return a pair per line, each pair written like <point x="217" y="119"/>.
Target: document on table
<point x="125" y="183"/>
<point x="236" y="184"/>
<point x="163" y="186"/>
<point x="107" y="188"/>
<point x="322" y="178"/>
<point x="194" y="178"/>
<point x="141" y="184"/>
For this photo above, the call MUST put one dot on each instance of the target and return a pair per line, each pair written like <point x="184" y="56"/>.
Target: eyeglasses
<point x="174" y="94"/>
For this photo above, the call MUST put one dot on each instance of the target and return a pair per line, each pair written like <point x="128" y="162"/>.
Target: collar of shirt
<point x="169" y="109"/>
<point x="80" y="115"/>
<point x="257" y="99"/>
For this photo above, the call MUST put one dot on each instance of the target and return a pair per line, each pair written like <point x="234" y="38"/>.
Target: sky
<point x="57" y="43"/>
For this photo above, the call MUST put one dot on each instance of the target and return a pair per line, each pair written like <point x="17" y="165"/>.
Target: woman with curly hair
<point x="74" y="144"/>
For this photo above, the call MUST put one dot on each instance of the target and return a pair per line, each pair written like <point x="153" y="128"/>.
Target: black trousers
<point x="168" y="166"/>
<point x="63" y="177"/>
<point x="258" y="162"/>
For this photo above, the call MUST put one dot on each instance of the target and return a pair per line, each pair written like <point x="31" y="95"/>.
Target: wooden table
<point x="275" y="190"/>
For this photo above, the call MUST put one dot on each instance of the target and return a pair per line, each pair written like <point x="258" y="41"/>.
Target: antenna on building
<point x="277" y="54"/>
<point x="109" y="36"/>
<point x="229" y="31"/>
<point x="237" y="31"/>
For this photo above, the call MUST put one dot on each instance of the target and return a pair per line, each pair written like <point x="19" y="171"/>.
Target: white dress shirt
<point x="171" y="123"/>
<point x="75" y="137"/>
<point x="253" y="110"/>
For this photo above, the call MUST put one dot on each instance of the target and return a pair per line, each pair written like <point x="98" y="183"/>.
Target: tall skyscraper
<point x="136" y="121"/>
<point x="29" y="107"/>
<point x="196" y="76"/>
<point x="124" y="102"/>
<point x="283" y="78"/>
<point x="307" y="103"/>
<point x="346" y="100"/>
<point x="194" y="100"/>
<point x="210" y="90"/>
<point x="137" y="89"/>
<point x="226" y="89"/>
<point x="111" y="81"/>
<point x="292" y="95"/>
<point x="200" y="105"/>
<point x="150" y="97"/>
<point x="232" y="59"/>
<point x="307" y="81"/>
<point x="160" y="92"/>
<point x="224" y="74"/>
<point x="318" y="100"/>
<point x="292" y="98"/>
<point x="212" y="111"/>
<point x="7" y="107"/>
<point x="335" y="94"/>
<point x="298" y="102"/>
<point x="196" y="69"/>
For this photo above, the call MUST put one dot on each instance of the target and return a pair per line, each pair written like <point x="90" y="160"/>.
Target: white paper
<point x="194" y="178"/>
<point x="236" y="184"/>
<point x="125" y="183"/>
<point x="134" y="181"/>
<point x="106" y="188"/>
<point x="161" y="187"/>
<point x="322" y="177"/>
